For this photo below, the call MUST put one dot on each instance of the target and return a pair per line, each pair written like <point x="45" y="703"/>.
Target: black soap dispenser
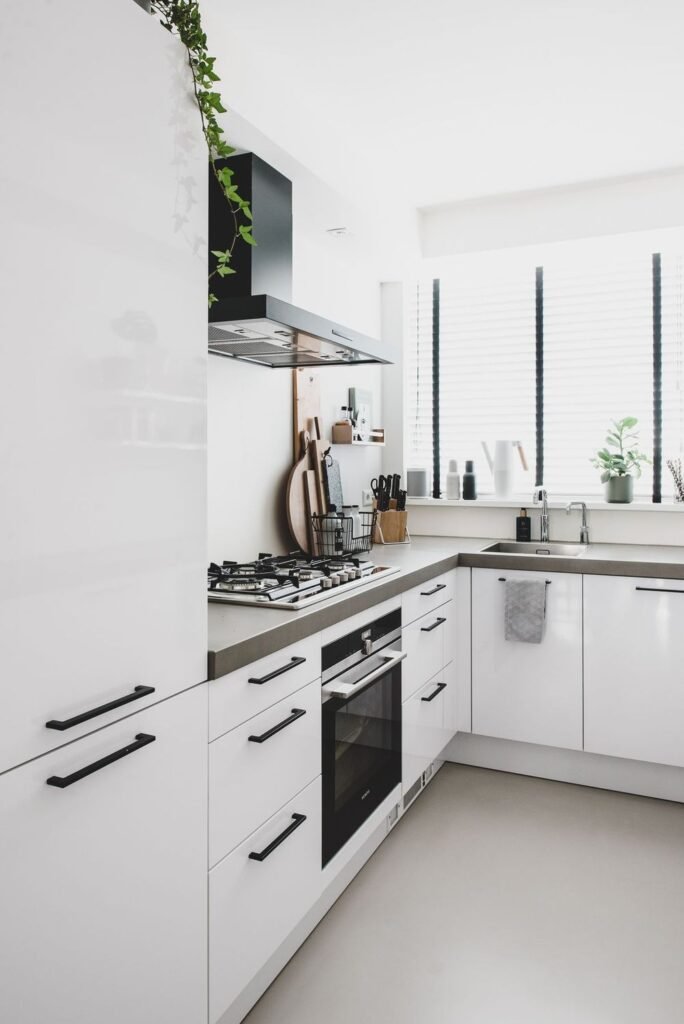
<point x="469" y="485"/>
<point x="523" y="526"/>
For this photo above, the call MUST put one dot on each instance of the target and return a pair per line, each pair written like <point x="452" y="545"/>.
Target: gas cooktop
<point x="290" y="581"/>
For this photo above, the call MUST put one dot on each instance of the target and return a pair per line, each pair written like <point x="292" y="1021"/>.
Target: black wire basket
<point x="336" y="535"/>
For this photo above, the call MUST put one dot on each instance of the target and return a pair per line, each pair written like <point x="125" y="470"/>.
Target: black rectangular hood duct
<point x="253" y="318"/>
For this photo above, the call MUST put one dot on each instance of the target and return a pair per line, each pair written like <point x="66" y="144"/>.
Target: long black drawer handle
<point x="435" y="590"/>
<point x="435" y="624"/>
<point x="660" y="590"/>
<point x="296" y="713"/>
<point x="69" y="723"/>
<point x="292" y="663"/>
<point x="141" y="740"/>
<point x="440" y="687"/>
<point x="297" y="820"/>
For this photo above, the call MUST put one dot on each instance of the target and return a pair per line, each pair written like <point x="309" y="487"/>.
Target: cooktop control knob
<point x="326" y="583"/>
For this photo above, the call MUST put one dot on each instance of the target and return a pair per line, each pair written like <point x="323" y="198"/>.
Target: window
<point x="547" y="351"/>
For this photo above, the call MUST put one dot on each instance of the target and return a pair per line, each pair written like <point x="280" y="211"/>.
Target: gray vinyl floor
<point x="501" y="899"/>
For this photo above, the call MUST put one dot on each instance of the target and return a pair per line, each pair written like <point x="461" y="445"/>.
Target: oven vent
<point x="411" y="794"/>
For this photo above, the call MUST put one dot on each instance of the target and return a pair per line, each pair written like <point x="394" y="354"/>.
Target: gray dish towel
<point x="525" y="610"/>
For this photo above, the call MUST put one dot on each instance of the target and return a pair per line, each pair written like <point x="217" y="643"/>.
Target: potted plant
<point x="620" y="466"/>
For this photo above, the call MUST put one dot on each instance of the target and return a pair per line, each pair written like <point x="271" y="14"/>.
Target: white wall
<point x="614" y="206"/>
<point x="250" y="407"/>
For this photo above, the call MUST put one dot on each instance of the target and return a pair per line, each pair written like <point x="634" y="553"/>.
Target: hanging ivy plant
<point x="182" y="18"/>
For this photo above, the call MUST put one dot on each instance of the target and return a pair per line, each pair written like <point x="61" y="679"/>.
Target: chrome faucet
<point x="540" y="495"/>
<point x="584" y="529"/>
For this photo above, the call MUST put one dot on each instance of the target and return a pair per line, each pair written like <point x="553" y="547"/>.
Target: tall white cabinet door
<point x="102" y="368"/>
<point x="103" y="884"/>
<point x="633" y="677"/>
<point x="521" y="691"/>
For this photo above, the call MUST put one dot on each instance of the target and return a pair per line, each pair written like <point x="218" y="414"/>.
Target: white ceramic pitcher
<point x="502" y="465"/>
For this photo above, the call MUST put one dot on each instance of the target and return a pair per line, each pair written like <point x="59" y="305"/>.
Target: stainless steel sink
<point x="514" y="547"/>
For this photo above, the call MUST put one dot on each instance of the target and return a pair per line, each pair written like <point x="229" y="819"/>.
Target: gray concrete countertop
<point x="239" y="635"/>
<point x="600" y="560"/>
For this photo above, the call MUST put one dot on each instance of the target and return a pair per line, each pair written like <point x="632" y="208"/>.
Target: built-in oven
<point x="361" y="763"/>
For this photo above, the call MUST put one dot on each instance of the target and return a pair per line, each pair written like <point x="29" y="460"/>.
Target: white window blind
<point x="598" y="361"/>
<point x="598" y="364"/>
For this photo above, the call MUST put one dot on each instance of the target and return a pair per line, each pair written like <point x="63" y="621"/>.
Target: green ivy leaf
<point x="246" y="234"/>
<point x="223" y="270"/>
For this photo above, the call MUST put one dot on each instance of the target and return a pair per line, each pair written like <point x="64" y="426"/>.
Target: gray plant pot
<point x="620" y="489"/>
<point x="145" y="4"/>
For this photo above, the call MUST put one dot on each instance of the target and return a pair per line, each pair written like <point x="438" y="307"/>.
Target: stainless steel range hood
<point x="253" y="319"/>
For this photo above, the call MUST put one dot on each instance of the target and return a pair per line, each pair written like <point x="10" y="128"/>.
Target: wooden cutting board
<point x="295" y="500"/>
<point x="307" y="403"/>
<point x="318" y="449"/>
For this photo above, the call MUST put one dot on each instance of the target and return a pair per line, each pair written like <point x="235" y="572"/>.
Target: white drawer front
<point x="424" y="642"/>
<point x="233" y="698"/>
<point x="250" y="780"/>
<point x="427" y="596"/>
<point x="254" y="905"/>
<point x="424" y="734"/>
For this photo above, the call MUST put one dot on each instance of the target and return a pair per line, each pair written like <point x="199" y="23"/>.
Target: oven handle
<point x="340" y="689"/>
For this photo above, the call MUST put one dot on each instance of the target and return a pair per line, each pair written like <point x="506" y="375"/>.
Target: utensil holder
<point x="391" y="526"/>
<point x="333" y="536"/>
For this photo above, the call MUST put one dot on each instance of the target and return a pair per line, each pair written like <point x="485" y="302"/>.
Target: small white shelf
<point x="360" y="444"/>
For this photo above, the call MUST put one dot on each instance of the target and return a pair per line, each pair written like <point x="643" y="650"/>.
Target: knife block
<point x="391" y="526"/>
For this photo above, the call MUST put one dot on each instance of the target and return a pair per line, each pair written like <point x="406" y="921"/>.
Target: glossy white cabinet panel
<point x="102" y="368"/>
<point x="103" y="883"/>
<point x="424" y="729"/>
<point x="236" y="697"/>
<point x="252" y="774"/>
<point x="521" y="691"/>
<point x="633" y="676"/>
<point x="425" y="644"/>
<point x="457" y="656"/>
<point x="427" y="596"/>
<point x="254" y="905"/>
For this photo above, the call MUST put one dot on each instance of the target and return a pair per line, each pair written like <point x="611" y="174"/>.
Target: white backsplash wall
<point x="620" y="525"/>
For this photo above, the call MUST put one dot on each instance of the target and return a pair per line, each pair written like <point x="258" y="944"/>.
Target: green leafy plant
<point x="626" y="458"/>
<point x="182" y="18"/>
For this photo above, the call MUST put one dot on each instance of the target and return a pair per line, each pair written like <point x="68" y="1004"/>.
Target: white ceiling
<point x="445" y="100"/>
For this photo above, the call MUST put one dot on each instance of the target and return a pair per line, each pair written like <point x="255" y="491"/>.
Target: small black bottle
<point x="523" y="526"/>
<point x="468" y="482"/>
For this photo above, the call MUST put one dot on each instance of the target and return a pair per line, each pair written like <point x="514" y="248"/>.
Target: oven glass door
<point x="361" y="756"/>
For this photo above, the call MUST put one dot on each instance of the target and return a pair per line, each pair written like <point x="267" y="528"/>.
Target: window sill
<point x="523" y="501"/>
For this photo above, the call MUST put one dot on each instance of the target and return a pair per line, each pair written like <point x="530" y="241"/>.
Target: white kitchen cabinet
<point x="425" y="730"/>
<point x="255" y="903"/>
<point x="261" y="765"/>
<point x="427" y="642"/>
<point x="633" y="679"/>
<point x="457" y="657"/>
<point x="249" y="690"/>
<point x="522" y="691"/>
<point x="424" y="598"/>
<point x="103" y="883"/>
<point x="102" y="370"/>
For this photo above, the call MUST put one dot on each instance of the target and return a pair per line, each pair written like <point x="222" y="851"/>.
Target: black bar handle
<point x="435" y="590"/>
<point x="660" y="590"/>
<point x="69" y="723"/>
<point x="296" y="713"/>
<point x="292" y="663"/>
<point x="297" y="820"/>
<point x="439" y="688"/>
<point x="141" y="740"/>
<point x="502" y="579"/>
<point x="435" y="624"/>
